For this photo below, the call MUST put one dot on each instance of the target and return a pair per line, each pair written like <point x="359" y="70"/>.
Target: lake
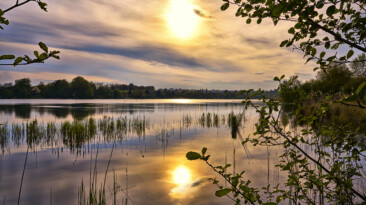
<point x="134" y="148"/>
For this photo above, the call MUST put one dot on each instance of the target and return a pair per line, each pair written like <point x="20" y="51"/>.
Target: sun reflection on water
<point x="181" y="100"/>
<point x="186" y="185"/>
<point x="181" y="176"/>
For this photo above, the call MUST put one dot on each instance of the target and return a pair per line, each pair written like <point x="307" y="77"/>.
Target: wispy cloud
<point x="129" y="41"/>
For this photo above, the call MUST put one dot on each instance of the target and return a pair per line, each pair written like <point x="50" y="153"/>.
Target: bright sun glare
<point x="181" y="176"/>
<point x="181" y="18"/>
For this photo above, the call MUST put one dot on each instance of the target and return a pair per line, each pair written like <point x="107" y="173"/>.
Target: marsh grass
<point x="78" y="134"/>
<point x="4" y="133"/>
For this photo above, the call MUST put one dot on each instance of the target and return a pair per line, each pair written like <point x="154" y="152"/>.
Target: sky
<point x="165" y="43"/>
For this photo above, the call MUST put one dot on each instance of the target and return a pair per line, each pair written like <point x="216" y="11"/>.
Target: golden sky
<point x="165" y="43"/>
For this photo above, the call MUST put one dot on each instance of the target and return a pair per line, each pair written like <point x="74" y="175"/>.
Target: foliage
<point x="359" y="66"/>
<point x="290" y="91"/>
<point x="320" y="29"/>
<point x="81" y="88"/>
<point x="326" y="172"/>
<point x="39" y="57"/>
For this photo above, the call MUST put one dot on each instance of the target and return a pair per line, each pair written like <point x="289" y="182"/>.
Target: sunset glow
<point x="181" y="18"/>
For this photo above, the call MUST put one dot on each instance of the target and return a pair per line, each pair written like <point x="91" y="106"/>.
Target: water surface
<point x="146" y="156"/>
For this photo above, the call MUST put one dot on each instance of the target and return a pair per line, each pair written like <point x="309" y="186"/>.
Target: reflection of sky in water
<point x="151" y="169"/>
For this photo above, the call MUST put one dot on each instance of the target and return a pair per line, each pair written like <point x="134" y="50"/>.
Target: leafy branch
<point x="25" y="60"/>
<point x="340" y="20"/>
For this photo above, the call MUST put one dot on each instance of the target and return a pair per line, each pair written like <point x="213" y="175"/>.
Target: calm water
<point x="146" y="155"/>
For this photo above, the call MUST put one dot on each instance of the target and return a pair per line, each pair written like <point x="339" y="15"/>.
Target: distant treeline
<point x="79" y="88"/>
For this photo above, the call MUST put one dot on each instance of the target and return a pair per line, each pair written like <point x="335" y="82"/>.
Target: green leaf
<point x="259" y="21"/>
<point x="36" y="54"/>
<point x="249" y="21"/>
<point x="17" y="61"/>
<point x="350" y="53"/>
<point x="327" y="45"/>
<point x="331" y="10"/>
<point x="42" y="5"/>
<point x="7" y="57"/>
<point x="225" y="6"/>
<point x="222" y="192"/>
<point x="322" y="54"/>
<point x="291" y="30"/>
<point x="360" y="88"/>
<point x="283" y="43"/>
<point x="42" y="57"/>
<point x="193" y="156"/>
<point x="276" y="12"/>
<point x="204" y="150"/>
<point x="43" y="46"/>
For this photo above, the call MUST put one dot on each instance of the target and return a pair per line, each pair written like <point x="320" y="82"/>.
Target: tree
<point x="290" y="90"/>
<point x="39" y="57"/>
<point x="339" y="23"/>
<point x="333" y="79"/>
<point x="81" y="88"/>
<point x="359" y="66"/>
<point x="58" y="89"/>
<point x="22" y="88"/>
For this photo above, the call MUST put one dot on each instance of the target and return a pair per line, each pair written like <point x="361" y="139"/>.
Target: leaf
<point x="222" y="192"/>
<point x="7" y="57"/>
<point x="327" y="45"/>
<point x="270" y="203"/>
<point x="276" y="79"/>
<point x="17" y="61"/>
<point x="331" y="10"/>
<point x="36" y="54"/>
<point x="42" y="5"/>
<point x="249" y="21"/>
<point x="291" y="30"/>
<point x="42" y="57"/>
<point x="322" y="54"/>
<point x="276" y="12"/>
<point x="259" y="21"/>
<point x="360" y="88"/>
<point x="193" y="156"/>
<point x="350" y="53"/>
<point x="225" y="6"/>
<point x="43" y="46"/>
<point x="283" y="43"/>
<point x="204" y="150"/>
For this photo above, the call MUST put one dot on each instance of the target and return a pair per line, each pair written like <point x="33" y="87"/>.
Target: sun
<point x="181" y="176"/>
<point x="181" y="18"/>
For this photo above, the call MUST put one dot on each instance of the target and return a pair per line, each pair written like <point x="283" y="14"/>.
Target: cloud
<point x="124" y="41"/>
<point x="202" y="14"/>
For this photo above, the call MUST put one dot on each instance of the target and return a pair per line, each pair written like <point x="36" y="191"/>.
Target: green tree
<point x="39" y="57"/>
<point x="359" y="66"/>
<point x="22" y="88"/>
<point x="81" y="88"/>
<point x="333" y="79"/>
<point x="290" y="90"/>
<point x="58" y="89"/>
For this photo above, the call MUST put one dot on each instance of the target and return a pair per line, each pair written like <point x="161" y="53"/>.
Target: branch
<point x="17" y="5"/>
<point x="228" y="180"/>
<point x="19" y="63"/>
<point x="308" y="156"/>
<point x="336" y="36"/>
